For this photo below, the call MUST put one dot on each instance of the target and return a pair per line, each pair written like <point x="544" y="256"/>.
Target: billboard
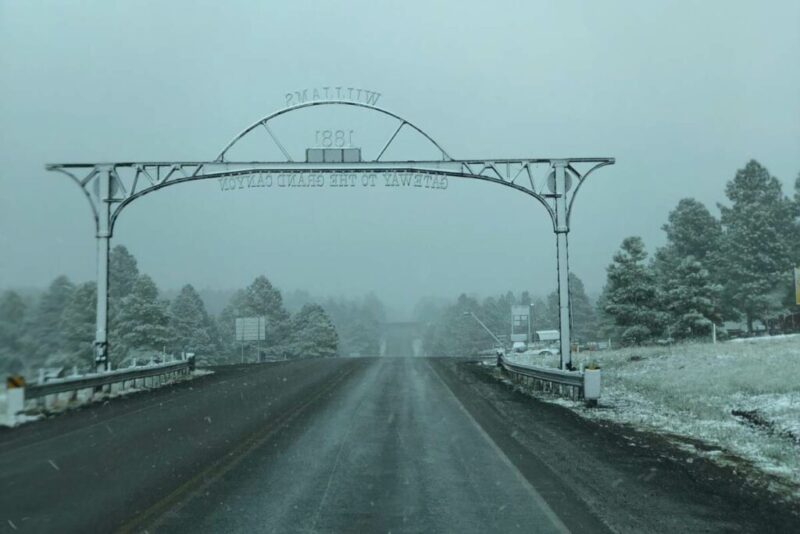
<point x="251" y="328"/>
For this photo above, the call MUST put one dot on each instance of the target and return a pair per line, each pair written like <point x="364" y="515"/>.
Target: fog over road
<point x="358" y="445"/>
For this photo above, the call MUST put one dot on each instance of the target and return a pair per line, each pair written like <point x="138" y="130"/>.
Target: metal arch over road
<point x="111" y="186"/>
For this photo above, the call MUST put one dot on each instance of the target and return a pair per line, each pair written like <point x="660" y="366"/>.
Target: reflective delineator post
<point x="103" y="244"/>
<point x="562" y="232"/>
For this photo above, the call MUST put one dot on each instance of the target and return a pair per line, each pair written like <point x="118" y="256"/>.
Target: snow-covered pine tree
<point x="313" y="333"/>
<point x="78" y="326"/>
<point x="692" y="300"/>
<point x="227" y="324"/>
<point x="262" y="299"/>
<point x="123" y="272"/>
<point x="142" y="323"/>
<point x="13" y="315"/>
<point x="756" y="245"/>
<point x="632" y="295"/>
<point x="259" y="299"/>
<point x="46" y="321"/>
<point x="693" y="231"/>
<point x="192" y="330"/>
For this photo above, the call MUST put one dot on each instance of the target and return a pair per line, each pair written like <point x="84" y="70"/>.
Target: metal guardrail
<point x="575" y="384"/>
<point x="17" y="392"/>
<point x="95" y="380"/>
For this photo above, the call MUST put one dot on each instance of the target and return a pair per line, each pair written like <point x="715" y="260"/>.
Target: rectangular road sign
<point x="797" y="285"/>
<point x="251" y="328"/>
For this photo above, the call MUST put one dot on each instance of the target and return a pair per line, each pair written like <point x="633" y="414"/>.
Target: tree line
<point x="735" y="267"/>
<point x="57" y="328"/>
<point x="449" y="330"/>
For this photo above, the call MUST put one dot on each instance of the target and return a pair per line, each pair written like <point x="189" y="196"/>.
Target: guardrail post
<point x="15" y="398"/>
<point x="592" y="386"/>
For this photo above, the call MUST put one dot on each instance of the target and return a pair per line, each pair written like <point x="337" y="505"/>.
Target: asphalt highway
<point x="356" y="445"/>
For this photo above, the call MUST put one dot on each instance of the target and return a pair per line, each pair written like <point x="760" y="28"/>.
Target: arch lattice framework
<point x="112" y="186"/>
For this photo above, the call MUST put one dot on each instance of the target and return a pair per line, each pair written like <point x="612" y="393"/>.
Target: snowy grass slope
<point x="693" y="390"/>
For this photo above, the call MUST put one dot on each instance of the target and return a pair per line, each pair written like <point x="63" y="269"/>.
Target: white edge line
<point x="551" y="515"/>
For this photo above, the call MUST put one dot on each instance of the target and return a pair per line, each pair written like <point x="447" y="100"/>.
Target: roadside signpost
<point x="521" y="323"/>
<point x="251" y="329"/>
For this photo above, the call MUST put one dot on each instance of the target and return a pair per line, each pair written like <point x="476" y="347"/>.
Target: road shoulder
<point x="629" y="481"/>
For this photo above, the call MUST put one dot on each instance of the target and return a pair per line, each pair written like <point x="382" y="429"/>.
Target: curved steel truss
<point x="129" y="181"/>
<point x="111" y="186"/>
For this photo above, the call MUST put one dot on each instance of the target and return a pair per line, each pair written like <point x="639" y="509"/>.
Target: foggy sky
<point x="681" y="93"/>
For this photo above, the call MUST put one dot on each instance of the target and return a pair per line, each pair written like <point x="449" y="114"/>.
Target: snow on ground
<point x="740" y="398"/>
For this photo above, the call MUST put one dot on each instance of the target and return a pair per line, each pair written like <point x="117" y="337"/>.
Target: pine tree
<point x="262" y="299"/>
<point x="192" y="330"/>
<point x="495" y="312"/>
<point x="631" y="295"/>
<point x="756" y="253"/>
<point x="544" y="318"/>
<point x="693" y="231"/>
<point x="142" y="324"/>
<point x="464" y="336"/>
<point x="78" y="326"/>
<point x="606" y="325"/>
<point x="584" y="319"/>
<point x="259" y="299"/>
<point x="692" y="300"/>
<point x="123" y="273"/>
<point x="46" y="324"/>
<point x="13" y="315"/>
<point x="227" y="324"/>
<point x="313" y="333"/>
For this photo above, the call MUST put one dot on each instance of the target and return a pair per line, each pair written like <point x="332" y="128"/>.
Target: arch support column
<point x="562" y="254"/>
<point x="103" y="239"/>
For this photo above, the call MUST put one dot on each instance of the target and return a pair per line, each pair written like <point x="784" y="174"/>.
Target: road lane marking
<point x="537" y="497"/>
<point x="184" y="493"/>
<point x="335" y="467"/>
